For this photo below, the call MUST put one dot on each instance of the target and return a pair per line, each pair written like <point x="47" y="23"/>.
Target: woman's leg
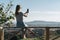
<point x="23" y="33"/>
<point x="22" y="36"/>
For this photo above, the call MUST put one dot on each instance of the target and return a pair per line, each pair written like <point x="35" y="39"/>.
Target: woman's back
<point x="19" y="17"/>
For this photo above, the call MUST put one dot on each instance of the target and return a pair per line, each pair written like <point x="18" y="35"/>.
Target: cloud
<point x="44" y="15"/>
<point x="45" y="12"/>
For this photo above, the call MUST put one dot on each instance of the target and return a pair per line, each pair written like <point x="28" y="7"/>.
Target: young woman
<point x="19" y="16"/>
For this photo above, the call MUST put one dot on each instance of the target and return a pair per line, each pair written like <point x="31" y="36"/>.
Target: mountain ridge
<point x="43" y="23"/>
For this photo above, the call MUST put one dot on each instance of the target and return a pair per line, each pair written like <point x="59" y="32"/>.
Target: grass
<point x="33" y="39"/>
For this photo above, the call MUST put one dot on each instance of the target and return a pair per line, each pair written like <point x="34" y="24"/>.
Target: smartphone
<point x="27" y="11"/>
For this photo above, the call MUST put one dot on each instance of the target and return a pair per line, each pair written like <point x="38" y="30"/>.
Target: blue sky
<point x="45" y="10"/>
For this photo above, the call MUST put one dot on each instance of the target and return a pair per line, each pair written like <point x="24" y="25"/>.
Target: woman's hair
<point x="17" y="9"/>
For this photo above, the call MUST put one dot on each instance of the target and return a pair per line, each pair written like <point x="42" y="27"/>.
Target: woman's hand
<point x="26" y="13"/>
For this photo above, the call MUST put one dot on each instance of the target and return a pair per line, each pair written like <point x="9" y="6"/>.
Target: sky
<point x="42" y="10"/>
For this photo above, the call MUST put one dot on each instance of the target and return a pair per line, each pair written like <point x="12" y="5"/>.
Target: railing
<point x="47" y="31"/>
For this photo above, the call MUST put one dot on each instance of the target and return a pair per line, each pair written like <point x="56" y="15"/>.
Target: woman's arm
<point x="26" y="13"/>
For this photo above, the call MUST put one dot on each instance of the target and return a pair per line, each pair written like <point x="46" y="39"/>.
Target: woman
<point x="19" y="16"/>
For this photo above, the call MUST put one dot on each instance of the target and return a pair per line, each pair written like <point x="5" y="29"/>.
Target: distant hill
<point x="43" y="24"/>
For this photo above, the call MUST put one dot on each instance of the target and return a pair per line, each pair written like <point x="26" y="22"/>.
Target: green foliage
<point x="57" y="32"/>
<point x="32" y="39"/>
<point x="4" y="13"/>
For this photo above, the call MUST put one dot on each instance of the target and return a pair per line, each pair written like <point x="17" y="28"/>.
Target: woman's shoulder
<point x="21" y="13"/>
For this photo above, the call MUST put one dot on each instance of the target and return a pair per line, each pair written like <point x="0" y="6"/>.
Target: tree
<point x="3" y="13"/>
